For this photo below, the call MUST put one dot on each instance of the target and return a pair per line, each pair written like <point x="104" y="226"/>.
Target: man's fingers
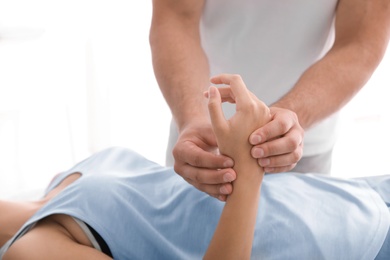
<point x="195" y="156"/>
<point x="273" y="129"/>
<point x="215" y="190"/>
<point x="205" y="176"/>
<point x="215" y="182"/>
<point x="279" y="169"/>
<point x="289" y="143"/>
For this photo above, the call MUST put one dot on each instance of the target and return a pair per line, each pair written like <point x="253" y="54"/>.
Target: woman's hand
<point x="233" y="134"/>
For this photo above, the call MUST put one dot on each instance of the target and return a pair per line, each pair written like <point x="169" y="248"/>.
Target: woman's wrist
<point x="250" y="174"/>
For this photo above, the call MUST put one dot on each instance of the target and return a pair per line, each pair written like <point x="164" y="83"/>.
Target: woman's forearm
<point x="233" y="236"/>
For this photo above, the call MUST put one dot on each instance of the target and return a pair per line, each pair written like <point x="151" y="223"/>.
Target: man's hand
<point x="198" y="161"/>
<point x="278" y="145"/>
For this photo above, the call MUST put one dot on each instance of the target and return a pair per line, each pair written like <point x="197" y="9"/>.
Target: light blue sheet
<point x="146" y="211"/>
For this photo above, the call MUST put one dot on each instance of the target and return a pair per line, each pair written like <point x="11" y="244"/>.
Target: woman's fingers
<point x="226" y="94"/>
<point x="237" y="86"/>
<point x="217" y="117"/>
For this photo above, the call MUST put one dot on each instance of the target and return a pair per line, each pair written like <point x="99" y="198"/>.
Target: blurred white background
<point x="76" y="76"/>
<point x="61" y="61"/>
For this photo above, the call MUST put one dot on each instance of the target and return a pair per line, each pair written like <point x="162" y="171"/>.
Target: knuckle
<point x="176" y="152"/>
<point x="296" y="155"/>
<point x="294" y="115"/>
<point x="253" y="106"/>
<point x="250" y="108"/>
<point x="259" y="162"/>
<point x="298" y="129"/>
<point x="198" y="178"/>
<point x="196" y="160"/>
<point x="282" y="126"/>
<point x="197" y="185"/>
<point x="293" y="167"/>
<point x="263" y="108"/>
<point x="287" y="168"/>
<point x="265" y="133"/>
<point x="213" y="195"/>
<point x="268" y="150"/>
<point x="178" y="169"/>
<point x="299" y="154"/>
<point x="190" y="182"/>
<point x="292" y="143"/>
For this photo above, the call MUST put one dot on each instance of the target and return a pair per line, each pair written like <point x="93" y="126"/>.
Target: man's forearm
<point x="362" y="35"/>
<point x="181" y="69"/>
<point x="328" y="85"/>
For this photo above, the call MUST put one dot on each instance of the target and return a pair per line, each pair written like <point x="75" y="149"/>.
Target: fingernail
<point x="258" y="152"/>
<point x="228" y="177"/>
<point x="255" y="139"/>
<point x="228" y="163"/>
<point x="212" y="92"/>
<point x="264" y="162"/>
<point x="223" y="190"/>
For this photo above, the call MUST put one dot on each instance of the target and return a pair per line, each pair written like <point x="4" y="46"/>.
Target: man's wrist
<point x="186" y="120"/>
<point x="283" y="104"/>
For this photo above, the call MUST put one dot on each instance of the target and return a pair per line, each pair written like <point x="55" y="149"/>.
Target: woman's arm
<point x="234" y="234"/>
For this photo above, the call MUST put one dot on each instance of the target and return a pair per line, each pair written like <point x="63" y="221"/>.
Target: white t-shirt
<point x="270" y="44"/>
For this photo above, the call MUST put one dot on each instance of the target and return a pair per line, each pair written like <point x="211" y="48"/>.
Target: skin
<point x="182" y="71"/>
<point x="16" y="213"/>
<point x="54" y="237"/>
<point x="235" y="229"/>
<point x="59" y="236"/>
